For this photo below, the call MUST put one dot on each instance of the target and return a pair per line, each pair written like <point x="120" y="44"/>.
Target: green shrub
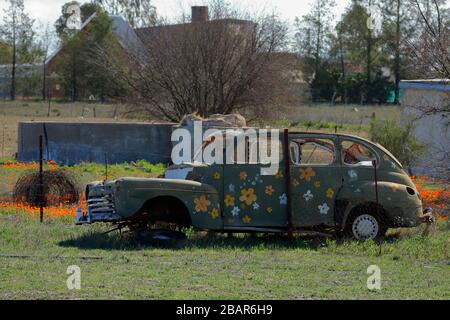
<point x="398" y="140"/>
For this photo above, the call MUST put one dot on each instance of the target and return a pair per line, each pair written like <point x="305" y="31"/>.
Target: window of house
<point x="354" y="153"/>
<point x="311" y="151"/>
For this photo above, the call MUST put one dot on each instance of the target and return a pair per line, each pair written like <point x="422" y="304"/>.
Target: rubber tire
<point x="161" y="238"/>
<point x="348" y="232"/>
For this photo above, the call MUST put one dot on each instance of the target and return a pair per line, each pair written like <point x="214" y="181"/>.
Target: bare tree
<point x="207" y="66"/>
<point x="138" y="13"/>
<point x="432" y="49"/>
<point x="45" y="44"/>
<point x="17" y="31"/>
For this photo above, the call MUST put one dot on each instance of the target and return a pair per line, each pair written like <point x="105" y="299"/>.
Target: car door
<point x="315" y="178"/>
<point x="251" y="199"/>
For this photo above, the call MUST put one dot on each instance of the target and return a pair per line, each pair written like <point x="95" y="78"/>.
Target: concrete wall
<point x="72" y="143"/>
<point x="432" y="130"/>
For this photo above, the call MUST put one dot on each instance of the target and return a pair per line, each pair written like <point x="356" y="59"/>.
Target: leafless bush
<point x="208" y="67"/>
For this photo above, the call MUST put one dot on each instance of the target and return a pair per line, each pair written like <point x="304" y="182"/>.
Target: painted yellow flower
<point x="295" y="183"/>
<point x="248" y="196"/>
<point x="269" y="190"/>
<point x="216" y="176"/>
<point x="214" y="213"/>
<point x="246" y="219"/>
<point x="307" y="174"/>
<point x="202" y="204"/>
<point x="243" y="175"/>
<point x="330" y="193"/>
<point x="317" y="184"/>
<point x="269" y="210"/>
<point x="279" y="174"/>
<point x="229" y="201"/>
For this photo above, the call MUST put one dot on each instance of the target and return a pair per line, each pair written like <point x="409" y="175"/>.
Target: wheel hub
<point x="365" y="227"/>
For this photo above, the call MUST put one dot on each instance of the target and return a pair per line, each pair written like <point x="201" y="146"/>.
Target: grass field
<point x="34" y="259"/>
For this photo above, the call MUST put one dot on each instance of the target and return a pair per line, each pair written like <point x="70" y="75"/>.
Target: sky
<point x="44" y="11"/>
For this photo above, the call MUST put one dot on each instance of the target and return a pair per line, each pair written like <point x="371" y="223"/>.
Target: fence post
<point x="41" y="180"/>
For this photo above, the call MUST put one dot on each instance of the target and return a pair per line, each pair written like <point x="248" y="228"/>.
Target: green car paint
<point x="324" y="189"/>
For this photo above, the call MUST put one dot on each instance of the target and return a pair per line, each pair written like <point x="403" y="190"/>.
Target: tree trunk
<point x="397" y="57"/>
<point x="13" y="66"/>
<point x="44" y="81"/>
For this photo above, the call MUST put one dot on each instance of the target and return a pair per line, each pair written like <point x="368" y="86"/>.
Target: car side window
<point x="356" y="154"/>
<point x="311" y="151"/>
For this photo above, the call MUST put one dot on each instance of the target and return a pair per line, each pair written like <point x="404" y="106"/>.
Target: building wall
<point x="72" y="143"/>
<point x="433" y="130"/>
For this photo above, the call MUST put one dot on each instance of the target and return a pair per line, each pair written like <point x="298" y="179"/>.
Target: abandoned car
<point x="325" y="182"/>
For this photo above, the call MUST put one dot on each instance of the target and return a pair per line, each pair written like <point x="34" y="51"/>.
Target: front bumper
<point x="98" y="210"/>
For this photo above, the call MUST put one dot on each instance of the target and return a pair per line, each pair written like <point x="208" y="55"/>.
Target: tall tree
<point x="17" y="32"/>
<point x="76" y="63"/>
<point x="312" y="31"/>
<point x="398" y="25"/>
<point x="362" y="37"/>
<point x="138" y="13"/>
<point x="46" y="42"/>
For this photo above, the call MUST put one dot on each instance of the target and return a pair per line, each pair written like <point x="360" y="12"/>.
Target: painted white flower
<point x="358" y="190"/>
<point x="231" y="188"/>
<point x="324" y="208"/>
<point x="256" y="206"/>
<point x="283" y="199"/>
<point x="353" y="174"/>
<point x="235" y="211"/>
<point x="253" y="183"/>
<point x="308" y="196"/>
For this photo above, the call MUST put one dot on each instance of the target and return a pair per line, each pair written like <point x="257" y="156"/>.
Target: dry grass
<point x="324" y="118"/>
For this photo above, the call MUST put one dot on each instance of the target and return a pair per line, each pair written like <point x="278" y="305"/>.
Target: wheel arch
<point x="167" y="209"/>
<point x="355" y="208"/>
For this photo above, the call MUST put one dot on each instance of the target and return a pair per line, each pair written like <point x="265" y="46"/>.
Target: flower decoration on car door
<point x="214" y="213"/>
<point x="330" y="193"/>
<point x="202" y="203"/>
<point x="283" y="199"/>
<point x="307" y="174"/>
<point x="279" y="175"/>
<point x="243" y="175"/>
<point x="229" y="200"/>
<point x="246" y="219"/>
<point x="270" y="190"/>
<point x="235" y="212"/>
<point x="353" y="175"/>
<point x="324" y="208"/>
<point x="308" y="196"/>
<point x="248" y="196"/>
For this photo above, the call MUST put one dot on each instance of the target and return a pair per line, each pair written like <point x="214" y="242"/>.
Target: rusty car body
<point x="325" y="182"/>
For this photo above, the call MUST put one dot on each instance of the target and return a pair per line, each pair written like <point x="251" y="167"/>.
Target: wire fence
<point x="8" y="140"/>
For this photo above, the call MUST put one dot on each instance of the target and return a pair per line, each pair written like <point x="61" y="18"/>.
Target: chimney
<point x="200" y="14"/>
